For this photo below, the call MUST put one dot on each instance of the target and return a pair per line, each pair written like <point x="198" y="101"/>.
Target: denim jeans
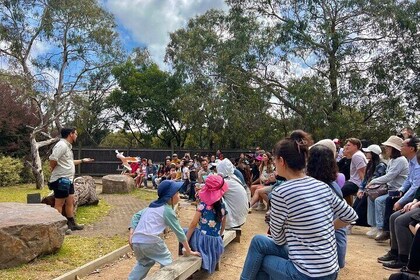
<point x="266" y="260"/>
<point x="147" y="255"/>
<point x="376" y="211"/>
<point x="371" y="212"/>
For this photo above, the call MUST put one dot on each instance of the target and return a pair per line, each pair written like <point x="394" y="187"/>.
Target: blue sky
<point x="149" y="22"/>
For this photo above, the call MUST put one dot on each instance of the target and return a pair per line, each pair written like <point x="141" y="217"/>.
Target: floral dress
<point x="206" y="237"/>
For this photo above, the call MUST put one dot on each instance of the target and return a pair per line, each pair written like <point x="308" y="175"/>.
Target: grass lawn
<point x="76" y="251"/>
<point x="144" y="194"/>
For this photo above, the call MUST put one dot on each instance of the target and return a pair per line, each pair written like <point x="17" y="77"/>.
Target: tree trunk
<point x="36" y="163"/>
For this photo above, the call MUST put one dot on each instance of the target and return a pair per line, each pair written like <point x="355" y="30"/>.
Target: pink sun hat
<point x="213" y="189"/>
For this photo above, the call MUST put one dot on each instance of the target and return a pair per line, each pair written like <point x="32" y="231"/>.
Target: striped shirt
<point x="302" y="216"/>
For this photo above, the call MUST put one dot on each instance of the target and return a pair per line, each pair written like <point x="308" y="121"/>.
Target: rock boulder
<point x="117" y="184"/>
<point x="28" y="231"/>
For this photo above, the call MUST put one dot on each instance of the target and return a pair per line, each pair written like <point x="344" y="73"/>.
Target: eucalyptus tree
<point x="91" y="117"/>
<point x="341" y="44"/>
<point x="319" y="59"/>
<point x="214" y="55"/>
<point x="54" y="45"/>
<point x="146" y="100"/>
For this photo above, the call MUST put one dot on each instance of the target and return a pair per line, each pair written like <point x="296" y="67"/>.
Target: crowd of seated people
<point x="325" y="184"/>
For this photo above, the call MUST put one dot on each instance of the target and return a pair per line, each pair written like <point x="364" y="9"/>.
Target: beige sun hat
<point x="394" y="141"/>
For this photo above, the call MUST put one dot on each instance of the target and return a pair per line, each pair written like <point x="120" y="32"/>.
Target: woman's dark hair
<point x="371" y="166"/>
<point x="321" y="164"/>
<point x="395" y="153"/>
<point x="65" y="131"/>
<point x="217" y="206"/>
<point x="294" y="149"/>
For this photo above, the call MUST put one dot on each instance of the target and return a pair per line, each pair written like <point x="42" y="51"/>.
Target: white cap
<point x="373" y="149"/>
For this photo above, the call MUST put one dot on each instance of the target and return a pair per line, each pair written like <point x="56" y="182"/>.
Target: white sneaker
<point x="378" y="233"/>
<point x="372" y="232"/>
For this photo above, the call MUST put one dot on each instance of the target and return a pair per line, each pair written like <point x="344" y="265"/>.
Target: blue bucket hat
<point x="166" y="190"/>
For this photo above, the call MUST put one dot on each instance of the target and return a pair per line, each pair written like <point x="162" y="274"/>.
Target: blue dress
<point x="206" y="237"/>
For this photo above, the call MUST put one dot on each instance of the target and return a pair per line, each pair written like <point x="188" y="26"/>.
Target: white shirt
<point x="63" y="155"/>
<point x="236" y="201"/>
<point x="358" y="161"/>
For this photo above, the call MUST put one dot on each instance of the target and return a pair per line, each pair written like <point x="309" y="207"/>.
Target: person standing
<point x="63" y="169"/>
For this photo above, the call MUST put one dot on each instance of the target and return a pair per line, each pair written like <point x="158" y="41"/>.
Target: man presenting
<point x="63" y="168"/>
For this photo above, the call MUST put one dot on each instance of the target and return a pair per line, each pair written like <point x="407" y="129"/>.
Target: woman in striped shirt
<point x="302" y="243"/>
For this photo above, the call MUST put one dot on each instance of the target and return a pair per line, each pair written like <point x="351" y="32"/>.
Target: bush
<point x="10" y="170"/>
<point x="28" y="177"/>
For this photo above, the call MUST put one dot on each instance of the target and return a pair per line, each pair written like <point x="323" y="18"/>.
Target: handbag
<point x="373" y="191"/>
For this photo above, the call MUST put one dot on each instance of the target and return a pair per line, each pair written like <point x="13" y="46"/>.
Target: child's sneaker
<point x="261" y="207"/>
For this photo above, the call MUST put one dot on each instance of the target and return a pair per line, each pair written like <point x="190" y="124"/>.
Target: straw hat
<point x="394" y="141"/>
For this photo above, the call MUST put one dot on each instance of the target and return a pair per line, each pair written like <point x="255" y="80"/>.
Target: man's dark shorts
<point x="62" y="188"/>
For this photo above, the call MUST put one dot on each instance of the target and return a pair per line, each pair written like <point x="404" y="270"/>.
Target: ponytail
<point x="294" y="149"/>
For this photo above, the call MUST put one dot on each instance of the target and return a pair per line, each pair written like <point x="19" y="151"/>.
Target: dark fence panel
<point x="106" y="161"/>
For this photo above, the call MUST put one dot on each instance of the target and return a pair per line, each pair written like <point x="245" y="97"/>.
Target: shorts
<point x="62" y="188"/>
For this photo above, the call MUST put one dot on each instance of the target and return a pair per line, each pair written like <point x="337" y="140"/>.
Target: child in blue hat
<point x="149" y="223"/>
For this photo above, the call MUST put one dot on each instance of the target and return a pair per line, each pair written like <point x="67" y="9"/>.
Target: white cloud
<point x="151" y="21"/>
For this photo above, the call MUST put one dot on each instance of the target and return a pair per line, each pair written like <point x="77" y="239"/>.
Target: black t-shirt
<point x="344" y="167"/>
<point x="255" y="172"/>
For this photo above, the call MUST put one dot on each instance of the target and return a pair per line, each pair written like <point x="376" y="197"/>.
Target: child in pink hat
<point x="208" y="224"/>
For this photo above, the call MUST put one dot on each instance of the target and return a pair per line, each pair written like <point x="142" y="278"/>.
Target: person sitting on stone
<point x="394" y="177"/>
<point x="401" y="236"/>
<point x="357" y="168"/>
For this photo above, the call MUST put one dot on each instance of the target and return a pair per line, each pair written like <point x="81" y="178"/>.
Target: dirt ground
<point x="361" y="256"/>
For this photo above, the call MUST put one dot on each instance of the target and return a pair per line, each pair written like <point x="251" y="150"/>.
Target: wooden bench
<point x="184" y="267"/>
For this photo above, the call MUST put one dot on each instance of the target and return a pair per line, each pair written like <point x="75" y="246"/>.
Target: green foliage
<point x="91" y="121"/>
<point x="332" y="68"/>
<point x="144" y="101"/>
<point x="10" y="169"/>
<point x="121" y="139"/>
<point x="27" y="175"/>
